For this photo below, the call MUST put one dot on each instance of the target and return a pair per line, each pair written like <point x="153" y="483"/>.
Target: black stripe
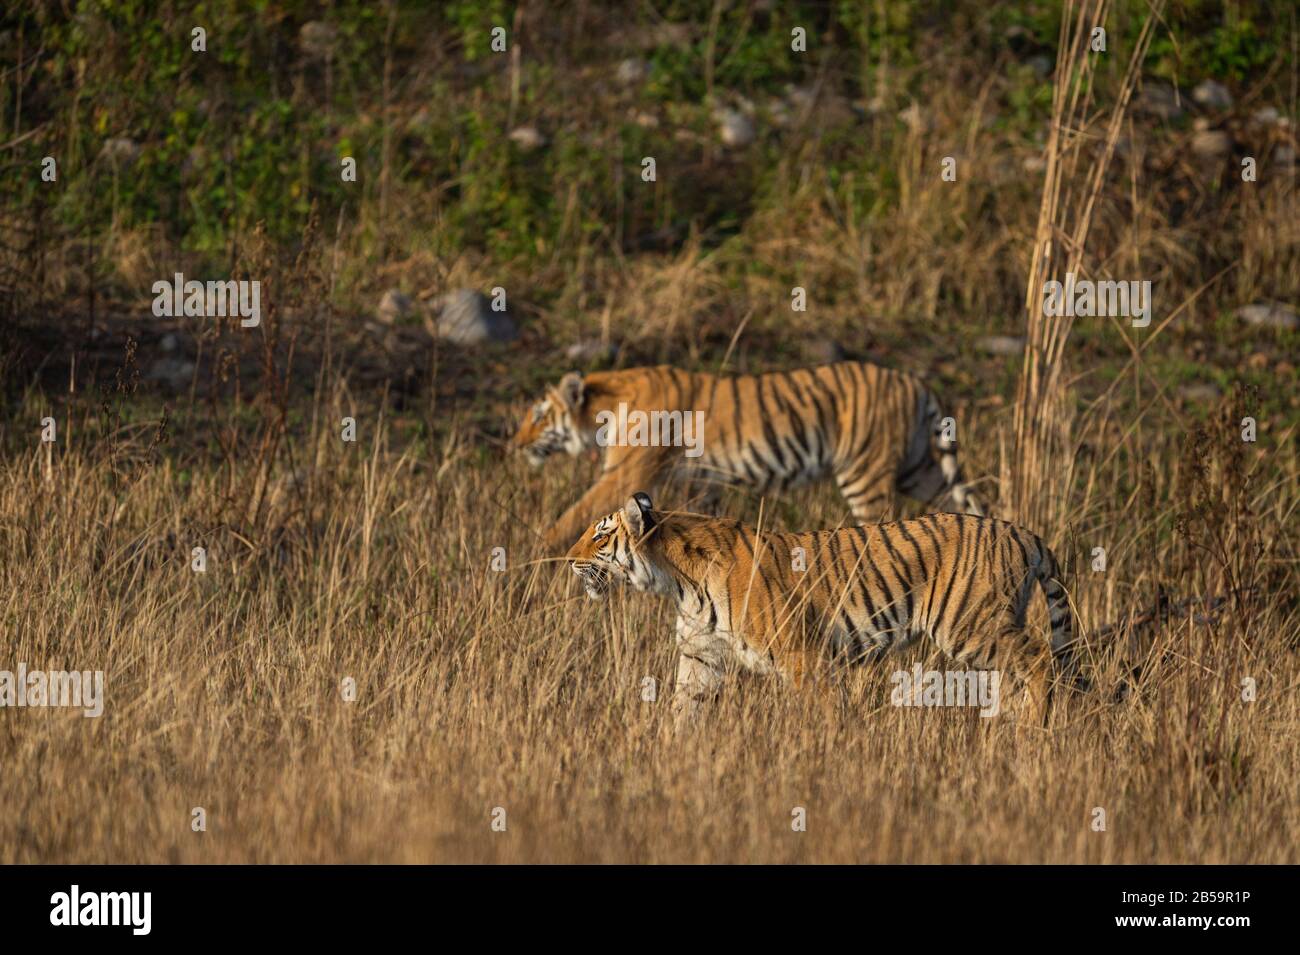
<point x="904" y="583"/>
<point x="736" y="432"/>
<point x="765" y="419"/>
<point x="974" y="559"/>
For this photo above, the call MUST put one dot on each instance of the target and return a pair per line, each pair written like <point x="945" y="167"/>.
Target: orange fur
<point x="872" y="429"/>
<point x="960" y="581"/>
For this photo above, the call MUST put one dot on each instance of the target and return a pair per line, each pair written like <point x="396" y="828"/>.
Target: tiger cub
<point x="875" y="430"/>
<point x="787" y="603"/>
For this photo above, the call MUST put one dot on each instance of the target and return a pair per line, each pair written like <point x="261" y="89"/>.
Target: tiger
<point x="790" y="603"/>
<point x="877" y="431"/>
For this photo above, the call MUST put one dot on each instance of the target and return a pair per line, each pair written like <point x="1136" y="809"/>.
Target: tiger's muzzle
<point x="549" y="443"/>
<point x="595" y="578"/>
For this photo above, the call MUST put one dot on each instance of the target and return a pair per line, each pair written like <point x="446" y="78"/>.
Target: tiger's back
<point x="964" y="582"/>
<point x="875" y="430"/>
<point x="780" y="430"/>
<point x="788" y="603"/>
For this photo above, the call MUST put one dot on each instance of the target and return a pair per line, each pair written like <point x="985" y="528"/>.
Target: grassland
<point x="479" y="689"/>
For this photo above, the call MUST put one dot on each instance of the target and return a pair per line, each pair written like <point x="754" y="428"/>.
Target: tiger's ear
<point x="572" y="389"/>
<point x="638" y="511"/>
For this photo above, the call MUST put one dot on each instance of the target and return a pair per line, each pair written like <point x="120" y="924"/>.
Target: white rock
<point x="633" y="71"/>
<point x="1212" y="95"/>
<point x="120" y="150"/>
<point x="1002" y="344"/>
<point x="527" y="138"/>
<point x="1269" y="315"/>
<point x="1211" y="142"/>
<point x="735" y="129"/>
<point x="591" y="350"/>
<point x="1266" y="115"/>
<point x="465" y="317"/>
<point x="393" y="306"/>
<point x="1159" y="100"/>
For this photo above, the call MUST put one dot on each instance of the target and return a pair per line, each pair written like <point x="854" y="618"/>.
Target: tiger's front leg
<point x="801" y="661"/>
<point x="701" y="667"/>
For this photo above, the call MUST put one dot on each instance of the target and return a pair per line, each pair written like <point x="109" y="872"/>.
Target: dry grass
<point x="1036" y="483"/>
<point x="479" y="689"/>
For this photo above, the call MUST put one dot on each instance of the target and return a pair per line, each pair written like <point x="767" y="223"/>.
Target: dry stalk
<point x="1037" y="479"/>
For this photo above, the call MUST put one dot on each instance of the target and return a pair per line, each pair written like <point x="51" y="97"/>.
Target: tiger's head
<point x="618" y="547"/>
<point x="557" y="422"/>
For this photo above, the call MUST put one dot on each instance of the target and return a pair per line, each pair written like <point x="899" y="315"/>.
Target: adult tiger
<point x="875" y="430"/>
<point x="785" y="603"/>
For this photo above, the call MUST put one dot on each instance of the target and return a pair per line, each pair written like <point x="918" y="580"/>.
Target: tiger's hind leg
<point x="1012" y="652"/>
<point x="1029" y="662"/>
<point x="868" y="489"/>
<point x="936" y="483"/>
<point x="930" y="472"/>
<point x="955" y="487"/>
<point x="945" y="443"/>
<point x="1034" y="670"/>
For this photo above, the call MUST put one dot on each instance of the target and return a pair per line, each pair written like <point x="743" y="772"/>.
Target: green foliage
<point x="251" y="132"/>
<point x="880" y="30"/>
<point x="1226" y="42"/>
<point x="474" y="20"/>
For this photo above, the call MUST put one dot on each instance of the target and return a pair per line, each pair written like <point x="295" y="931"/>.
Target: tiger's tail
<point x="1064" y="645"/>
<point x="943" y="431"/>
